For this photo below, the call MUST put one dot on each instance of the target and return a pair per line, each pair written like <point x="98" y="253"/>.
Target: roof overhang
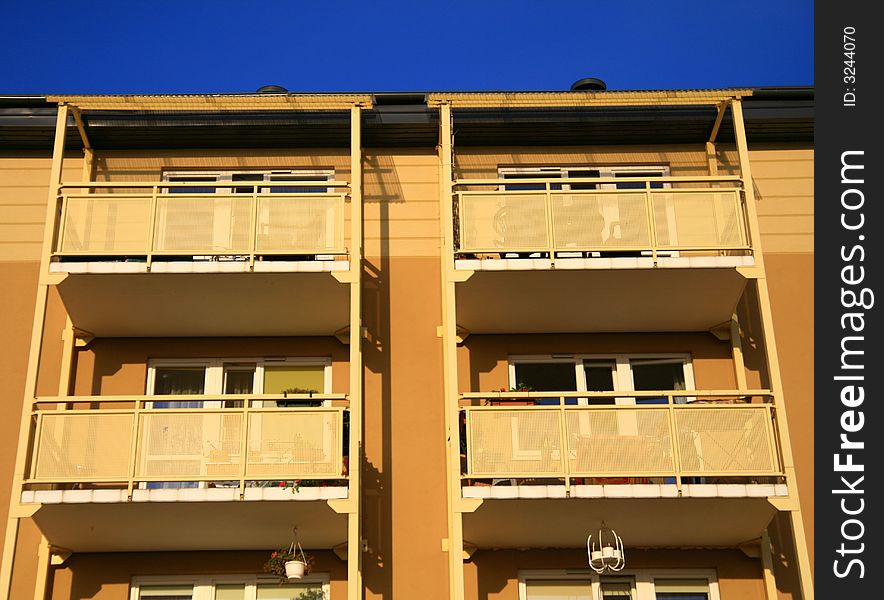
<point x="408" y="120"/>
<point x="585" y="99"/>
<point x="215" y="102"/>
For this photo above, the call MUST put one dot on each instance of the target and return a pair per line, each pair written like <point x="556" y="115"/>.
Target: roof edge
<point x="581" y="99"/>
<point x="216" y="102"/>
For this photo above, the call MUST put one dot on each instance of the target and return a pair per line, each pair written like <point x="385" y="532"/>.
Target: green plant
<point x="314" y="594"/>
<point x="297" y="390"/>
<point x="276" y="563"/>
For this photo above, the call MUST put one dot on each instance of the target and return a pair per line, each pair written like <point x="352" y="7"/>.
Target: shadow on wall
<point x="381" y="186"/>
<point x="785" y="565"/>
<point x="752" y="334"/>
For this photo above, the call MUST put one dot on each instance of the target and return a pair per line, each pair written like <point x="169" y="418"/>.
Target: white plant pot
<point x="294" y="569"/>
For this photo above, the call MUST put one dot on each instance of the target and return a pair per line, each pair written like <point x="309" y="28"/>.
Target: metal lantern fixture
<point x="606" y="553"/>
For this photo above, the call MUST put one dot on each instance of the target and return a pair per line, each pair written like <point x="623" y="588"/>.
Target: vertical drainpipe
<point x="792" y="504"/>
<point x="16" y="511"/>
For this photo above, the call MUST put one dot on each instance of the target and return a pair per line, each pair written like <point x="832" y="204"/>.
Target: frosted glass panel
<point x="166" y="592"/>
<point x="230" y="591"/>
<point x="288" y="377"/>
<point x="559" y="590"/>
<point x="286" y="591"/>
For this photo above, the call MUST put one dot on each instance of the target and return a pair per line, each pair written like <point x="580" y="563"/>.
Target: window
<point x="238" y="376"/>
<point x="595" y="373"/>
<point x="582" y="173"/>
<point x="638" y="585"/>
<point x="304" y="181"/>
<point x="245" y="587"/>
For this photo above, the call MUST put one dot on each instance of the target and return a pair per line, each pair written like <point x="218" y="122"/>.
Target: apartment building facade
<point x="437" y="339"/>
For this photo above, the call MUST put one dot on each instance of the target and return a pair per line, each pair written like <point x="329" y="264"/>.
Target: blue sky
<point x="132" y="46"/>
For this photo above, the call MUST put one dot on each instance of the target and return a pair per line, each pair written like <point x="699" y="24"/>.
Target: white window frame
<point x="214" y="383"/>
<point x="644" y="580"/>
<point x="204" y="585"/>
<point x="622" y="377"/>
<point x="268" y="174"/>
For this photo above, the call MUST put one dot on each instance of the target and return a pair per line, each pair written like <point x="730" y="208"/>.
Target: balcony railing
<point x="153" y="220"/>
<point x="656" y="434"/>
<point x="700" y="216"/>
<point x="229" y="441"/>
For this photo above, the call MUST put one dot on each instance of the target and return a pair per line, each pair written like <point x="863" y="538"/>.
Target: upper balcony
<point x="181" y="258"/>
<point x="162" y="472"/>
<point x="705" y="462"/>
<point x="593" y="250"/>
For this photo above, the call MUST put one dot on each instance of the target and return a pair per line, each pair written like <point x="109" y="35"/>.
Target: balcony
<point x="162" y="259"/>
<point x="593" y="250"/>
<point x="119" y="473"/>
<point x="703" y="462"/>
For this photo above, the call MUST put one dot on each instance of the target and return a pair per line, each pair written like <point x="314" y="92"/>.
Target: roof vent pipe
<point x="271" y="89"/>
<point x="588" y="84"/>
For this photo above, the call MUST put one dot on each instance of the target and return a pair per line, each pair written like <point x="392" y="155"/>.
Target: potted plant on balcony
<point x="299" y="402"/>
<point x="289" y="563"/>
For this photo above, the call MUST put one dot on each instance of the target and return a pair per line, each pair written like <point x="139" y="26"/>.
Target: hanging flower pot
<point x="289" y="563"/>
<point x="295" y="569"/>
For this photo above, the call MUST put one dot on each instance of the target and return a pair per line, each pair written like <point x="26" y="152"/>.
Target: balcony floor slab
<point x="641" y="522"/>
<point x="189" y="525"/>
<point x="612" y="300"/>
<point x="206" y="304"/>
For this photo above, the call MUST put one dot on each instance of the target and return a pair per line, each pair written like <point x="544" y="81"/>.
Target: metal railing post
<point x="152" y="225"/>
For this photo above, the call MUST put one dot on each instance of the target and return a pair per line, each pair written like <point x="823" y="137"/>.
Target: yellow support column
<point x="454" y="544"/>
<point x="737" y="354"/>
<point x="43" y="556"/>
<point x="354" y="517"/>
<point x="770" y="584"/>
<point x="37" y="330"/>
<point x="773" y="366"/>
<point x="69" y="341"/>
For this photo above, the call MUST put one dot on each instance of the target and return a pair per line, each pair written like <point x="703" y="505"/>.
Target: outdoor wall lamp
<point x="606" y="553"/>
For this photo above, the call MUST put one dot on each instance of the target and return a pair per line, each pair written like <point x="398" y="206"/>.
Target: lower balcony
<point x="665" y="468"/>
<point x="188" y="472"/>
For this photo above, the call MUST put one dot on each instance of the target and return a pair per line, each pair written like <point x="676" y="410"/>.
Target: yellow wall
<point x="24" y="178"/>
